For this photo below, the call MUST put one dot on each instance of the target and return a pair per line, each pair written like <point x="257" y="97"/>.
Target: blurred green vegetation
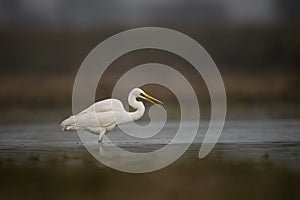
<point x="251" y="48"/>
<point x="259" y="65"/>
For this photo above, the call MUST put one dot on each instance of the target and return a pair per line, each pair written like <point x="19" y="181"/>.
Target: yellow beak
<point x="152" y="99"/>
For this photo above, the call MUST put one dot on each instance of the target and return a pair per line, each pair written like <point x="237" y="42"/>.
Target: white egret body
<point x="103" y="116"/>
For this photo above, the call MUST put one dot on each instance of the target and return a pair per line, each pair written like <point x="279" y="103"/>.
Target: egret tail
<point x="68" y="124"/>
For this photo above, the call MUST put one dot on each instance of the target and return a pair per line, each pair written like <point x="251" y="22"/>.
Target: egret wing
<point x="104" y="106"/>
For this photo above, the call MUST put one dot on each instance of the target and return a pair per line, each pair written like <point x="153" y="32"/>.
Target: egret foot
<point x="101" y="134"/>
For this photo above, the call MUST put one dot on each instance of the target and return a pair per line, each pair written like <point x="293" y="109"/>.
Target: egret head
<point x="139" y="93"/>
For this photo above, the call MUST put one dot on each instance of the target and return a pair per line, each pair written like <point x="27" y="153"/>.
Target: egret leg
<point x="101" y="134"/>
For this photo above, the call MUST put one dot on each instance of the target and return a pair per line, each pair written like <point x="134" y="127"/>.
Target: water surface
<point x="277" y="141"/>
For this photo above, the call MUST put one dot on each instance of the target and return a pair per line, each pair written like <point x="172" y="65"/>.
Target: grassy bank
<point x="28" y="98"/>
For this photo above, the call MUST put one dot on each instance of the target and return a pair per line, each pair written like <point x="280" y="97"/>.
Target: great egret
<point x="103" y="116"/>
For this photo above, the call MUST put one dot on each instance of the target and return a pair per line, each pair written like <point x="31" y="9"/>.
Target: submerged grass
<point x="185" y="179"/>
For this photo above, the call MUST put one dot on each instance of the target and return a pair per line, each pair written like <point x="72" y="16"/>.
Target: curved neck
<point x="138" y="105"/>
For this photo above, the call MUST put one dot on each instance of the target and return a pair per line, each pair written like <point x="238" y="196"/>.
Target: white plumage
<point x="103" y="116"/>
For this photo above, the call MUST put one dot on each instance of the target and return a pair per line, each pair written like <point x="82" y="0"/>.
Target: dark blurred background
<point x="255" y="44"/>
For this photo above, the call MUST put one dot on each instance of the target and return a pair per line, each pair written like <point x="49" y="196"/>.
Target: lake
<point x="278" y="141"/>
<point x="253" y="159"/>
